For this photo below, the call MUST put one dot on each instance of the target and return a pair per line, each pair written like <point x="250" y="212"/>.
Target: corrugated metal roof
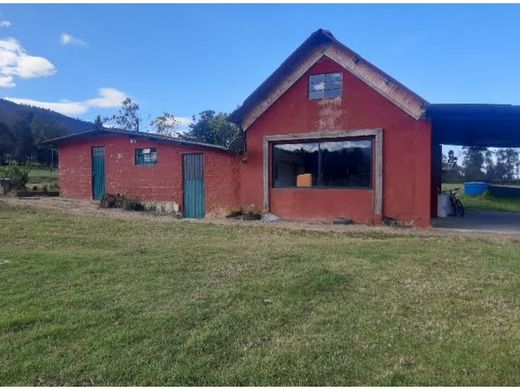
<point x="140" y="134"/>
<point x="491" y="125"/>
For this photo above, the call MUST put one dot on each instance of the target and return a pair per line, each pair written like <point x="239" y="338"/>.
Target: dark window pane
<point x="291" y="161"/>
<point x="346" y="164"/>
<point x="146" y="156"/>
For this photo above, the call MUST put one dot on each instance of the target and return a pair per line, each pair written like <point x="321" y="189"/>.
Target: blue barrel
<point x="474" y="188"/>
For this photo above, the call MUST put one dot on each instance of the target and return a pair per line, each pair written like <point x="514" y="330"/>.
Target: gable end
<point x="260" y="100"/>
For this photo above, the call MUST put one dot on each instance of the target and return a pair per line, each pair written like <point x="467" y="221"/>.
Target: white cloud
<point x="15" y="62"/>
<point x="6" y="82"/>
<point x="5" y="23"/>
<point x="68" y="39"/>
<point x="108" y="98"/>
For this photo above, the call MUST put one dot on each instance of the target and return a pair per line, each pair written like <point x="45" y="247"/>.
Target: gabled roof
<point x="322" y="43"/>
<point x="130" y="133"/>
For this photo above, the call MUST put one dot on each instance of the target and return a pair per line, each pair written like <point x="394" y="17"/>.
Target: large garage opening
<point x="475" y="159"/>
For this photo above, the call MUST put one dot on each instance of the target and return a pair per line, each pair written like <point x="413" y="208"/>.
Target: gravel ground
<point x="91" y="208"/>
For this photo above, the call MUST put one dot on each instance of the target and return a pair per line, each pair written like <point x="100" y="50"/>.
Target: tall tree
<point x="7" y="143"/>
<point x="43" y="130"/>
<point x="166" y="124"/>
<point x="490" y="165"/>
<point x="127" y="117"/>
<point x="506" y="164"/>
<point x="98" y="122"/>
<point x="473" y="162"/>
<point x="213" y="128"/>
<point x="450" y="170"/>
<point x="25" y="146"/>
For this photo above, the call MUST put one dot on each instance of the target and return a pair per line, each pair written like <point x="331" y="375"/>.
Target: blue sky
<point x="187" y="58"/>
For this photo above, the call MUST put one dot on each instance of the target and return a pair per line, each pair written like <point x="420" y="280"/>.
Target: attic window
<point x="324" y="86"/>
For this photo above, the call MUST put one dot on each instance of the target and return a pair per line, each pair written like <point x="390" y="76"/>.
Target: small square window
<point x="146" y="156"/>
<point x="324" y="86"/>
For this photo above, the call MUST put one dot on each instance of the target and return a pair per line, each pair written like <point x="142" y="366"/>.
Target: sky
<point x="82" y="60"/>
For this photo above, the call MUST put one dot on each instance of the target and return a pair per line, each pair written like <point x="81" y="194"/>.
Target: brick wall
<point x="406" y="153"/>
<point x="161" y="182"/>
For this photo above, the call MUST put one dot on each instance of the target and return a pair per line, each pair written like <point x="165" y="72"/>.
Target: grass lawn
<point x="485" y="201"/>
<point x="86" y="300"/>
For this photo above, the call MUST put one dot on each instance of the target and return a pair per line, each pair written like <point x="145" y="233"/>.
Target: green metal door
<point x="98" y="172"/>
<point x="193" y="168"/>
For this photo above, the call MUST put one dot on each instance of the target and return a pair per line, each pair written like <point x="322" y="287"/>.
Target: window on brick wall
<point x="146" y="156"/>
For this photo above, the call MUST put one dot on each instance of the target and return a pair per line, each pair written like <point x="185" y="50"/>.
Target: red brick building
<point x="325" y="94"/>
<point x="327" y="135"/>
<point x="161" y="178"/>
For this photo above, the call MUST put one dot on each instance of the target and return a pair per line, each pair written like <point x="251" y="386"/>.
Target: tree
<point x="44" y="129"/>
<point x="450" y="170"/>
<point x="213" y="128"/>
<point x="473" y="162"/>
<point x="507" y="160"/>
<point x="452" y="159"/>
<point x="166" y="124"/>
<point x="98" y="122"/>
<point x="25" y="147"/>
<point x="127" y="117"/>
<point x="7" y="143"/>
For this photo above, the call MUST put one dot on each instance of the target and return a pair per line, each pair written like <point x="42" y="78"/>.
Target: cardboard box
<point x="304" y="180"/>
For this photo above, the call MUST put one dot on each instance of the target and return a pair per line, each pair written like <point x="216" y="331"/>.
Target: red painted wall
<point x="407" y="161"/>
<point x="160" y="182"/>
<point x="406" y="153"/>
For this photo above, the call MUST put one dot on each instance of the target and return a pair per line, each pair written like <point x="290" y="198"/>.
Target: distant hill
<point x="23" y="127"/>
<point x="11" y="113"/>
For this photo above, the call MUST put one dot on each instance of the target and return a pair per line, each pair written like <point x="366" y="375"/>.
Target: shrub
<point x="252" y="215"/>
<point x="234" y="213"/>
<point x="109" y="201"/>
<point x="132" y="204"/>
<point x="19" y="174"/>
<point x="118" y="201"/>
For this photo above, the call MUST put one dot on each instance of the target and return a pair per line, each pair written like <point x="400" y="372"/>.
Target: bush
<point x="252" y="215"/>
<point x="132" y="204"/>
<point x="19" y="174"/>
<point x="118" y="201"/>
<point x="235" y="213"/>
<point x="109" y="201"/>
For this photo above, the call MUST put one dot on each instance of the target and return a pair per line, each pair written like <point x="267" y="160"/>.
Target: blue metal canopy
<point x="491" y="125"/>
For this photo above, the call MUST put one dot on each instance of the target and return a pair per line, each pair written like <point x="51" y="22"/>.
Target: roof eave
<point x="155" y="137"/>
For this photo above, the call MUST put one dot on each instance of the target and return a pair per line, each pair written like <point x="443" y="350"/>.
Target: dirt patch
<point x="91" y="208"/>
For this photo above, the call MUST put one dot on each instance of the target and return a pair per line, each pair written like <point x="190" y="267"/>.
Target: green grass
<point x="42" y="176"/>
<point x="97" y="301"/>
<point x="485" y="201"/>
